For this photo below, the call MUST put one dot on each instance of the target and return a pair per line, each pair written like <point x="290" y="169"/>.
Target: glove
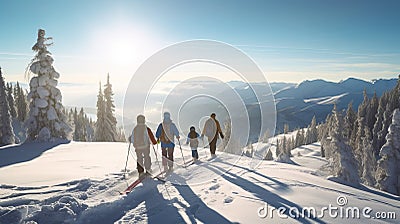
<point x="158" y="141"/>
<point x="222" y="135"/>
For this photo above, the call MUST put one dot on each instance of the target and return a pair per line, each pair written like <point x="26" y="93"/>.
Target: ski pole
<point x="158" y="162"/>
<point x="184" y="163"/>
<point x="127" y="157"/>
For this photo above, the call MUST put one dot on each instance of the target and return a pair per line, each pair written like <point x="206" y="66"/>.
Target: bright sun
<point x="122" y="45"/>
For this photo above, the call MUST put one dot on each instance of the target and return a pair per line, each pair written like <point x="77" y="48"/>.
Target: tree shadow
<point x="197" y="208"/>
<point x="26" y="151"/>
<point x="267" y="197"/>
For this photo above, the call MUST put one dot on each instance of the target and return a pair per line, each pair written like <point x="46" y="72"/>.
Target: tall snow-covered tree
<point x="368" y="163"/>
<point x="6" y="130"/>
<point x="312" y="132"/>
<point x="349" y="121"/>
<point x="277" y="148"/>
<point x="20" y="103"/>
<point x="378" y="139"/>
<point x="79" y="120"/>
<point x="111" y="121"/>
<point x="388" y="169"/>
<point x="371" y="112"/>
<point x="343" y="162"/>
<point x="46" y="120"/>
<point x="10" y="99"/>
<point x="101" y="134"/>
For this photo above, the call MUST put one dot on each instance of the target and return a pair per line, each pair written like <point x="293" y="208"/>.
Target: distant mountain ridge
<point x="296" y="105"/>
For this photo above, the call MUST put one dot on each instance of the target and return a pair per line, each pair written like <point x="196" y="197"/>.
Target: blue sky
<point x="291" y="40"/>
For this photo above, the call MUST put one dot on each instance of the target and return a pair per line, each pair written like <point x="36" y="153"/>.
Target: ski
<point x="133" y="185"/>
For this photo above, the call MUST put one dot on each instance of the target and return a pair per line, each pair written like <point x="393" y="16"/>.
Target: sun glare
<point x="122" y="45"/>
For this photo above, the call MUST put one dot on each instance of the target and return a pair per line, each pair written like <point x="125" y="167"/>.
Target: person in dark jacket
<point x="211" y="129"/>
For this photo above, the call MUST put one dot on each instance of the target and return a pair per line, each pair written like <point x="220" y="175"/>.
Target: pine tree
<point x="388" y="169"/>
<point x="377" y="134"/>
<point x="80" y="133"/>
<point x="277" y="148"/>
<point x="285" y="128"/>
<point x="368" y="163"/>
<point x="111" y="121"/>
<point x="10" y="99"/>
<point x="349" y="121"/>
<point x="100" y="130"/>
<point x="312" y="132"/>
<point x="343" y="165"/>
<point x="362" y="124"/>
<point x="268" y="156"/>
<point x="371" y="112"/>
<point x="20" y="103"/>
<point x="46" y="118"/>
<point x="6" y="130"/>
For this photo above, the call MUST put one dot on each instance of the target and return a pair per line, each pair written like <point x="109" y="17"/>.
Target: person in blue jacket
<point x="166" y="133"/>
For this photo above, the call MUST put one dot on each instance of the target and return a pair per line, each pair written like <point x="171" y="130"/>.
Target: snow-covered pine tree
<point x="268" y="156"/>
<point x="20" y="103"/>
<point x="6" y="130"/>
<point x="362" y="124"/>
<point x="349" y="121"/>
<point x="391" y="104"/>
<point x="343" y="165"/>
<point x="368" y="163"/>
<point x="371" y="112"/>
<point x="100" y="130"/>
<point x="377" y="134"/>
<point x="111" y="121"/>
<point x="10" y="99"/>
<point x="388" y="168"/>
<point x="285" y="128"/>
<point x="277" y="148"/>
<point x="46" y="120"/>
<point x="80" y="126"/>
<point x="312" y="133"/>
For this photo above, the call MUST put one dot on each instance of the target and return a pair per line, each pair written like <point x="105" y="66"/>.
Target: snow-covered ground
<point x="80" y="183"/>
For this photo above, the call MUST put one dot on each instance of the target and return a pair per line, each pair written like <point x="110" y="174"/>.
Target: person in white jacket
<point x="141" y="138"/>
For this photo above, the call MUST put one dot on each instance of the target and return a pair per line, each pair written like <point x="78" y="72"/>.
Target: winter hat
<point x="167" y="116"/>
<point x="140" y="119"/>
<point x="192" y="128"/>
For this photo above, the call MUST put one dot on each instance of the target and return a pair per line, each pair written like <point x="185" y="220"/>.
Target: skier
<point x="211" y="130"/>
<point x="192" y="138"/>
<point x="140" y="138"/>
<point x="165" y="133"/>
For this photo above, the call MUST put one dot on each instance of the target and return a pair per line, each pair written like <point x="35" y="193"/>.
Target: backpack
<point x="163" y="136"/>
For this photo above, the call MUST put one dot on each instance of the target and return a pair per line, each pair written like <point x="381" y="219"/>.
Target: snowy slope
<point x="79" y="183"/>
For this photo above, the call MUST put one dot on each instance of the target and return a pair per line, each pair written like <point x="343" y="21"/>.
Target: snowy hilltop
<point x="80" y="182"/>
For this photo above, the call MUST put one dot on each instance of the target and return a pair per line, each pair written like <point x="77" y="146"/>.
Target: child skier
<point x="192" y="138"/>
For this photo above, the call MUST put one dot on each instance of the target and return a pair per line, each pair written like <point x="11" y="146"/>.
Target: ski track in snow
<point x="232" y="197"/>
